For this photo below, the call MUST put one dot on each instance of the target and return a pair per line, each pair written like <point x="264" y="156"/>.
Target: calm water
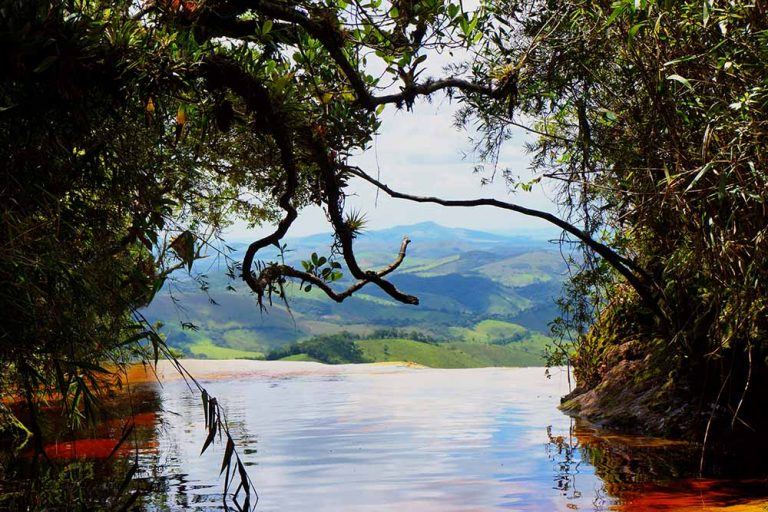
<point x="373" y="438"/>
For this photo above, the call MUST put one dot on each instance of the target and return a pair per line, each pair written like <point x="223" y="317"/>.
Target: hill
<point x="466" y="280"/>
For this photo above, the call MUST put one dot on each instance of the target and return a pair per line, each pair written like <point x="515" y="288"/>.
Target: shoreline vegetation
<point x="134" y="137"/>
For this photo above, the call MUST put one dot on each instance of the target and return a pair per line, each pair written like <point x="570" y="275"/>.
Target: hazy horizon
<point x="533" y="232"/>
<point x="423" y="153"/>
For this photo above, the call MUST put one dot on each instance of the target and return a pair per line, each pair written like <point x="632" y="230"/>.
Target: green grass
<point x="399" y="349"/>
<point x="375" y="300"/>
<point x="456" y="354"/>
<point x="203" y="346"/>
<point x="488" y="331"/>
<point x="495" y="329"/>
<point x="525" y="279"/>
<point x="525" y="269"/>
<point x="242" y="339"/>
<point x="474" y="347"/>
<point x="320" y="327"/>
<point x="520" y="353"/>
<point x="299" y="357"/>
<point x="422" y="267"/>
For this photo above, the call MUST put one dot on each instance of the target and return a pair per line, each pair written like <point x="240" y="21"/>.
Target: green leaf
<point x="699" y="175"/>
<point x="705" y="17"/>
<point x="184" y="247"/>
<point x="682" y="80"/>
<point x="617" y="11"/>
<point x="635" y="29"/>
<point x="464" y="25"/>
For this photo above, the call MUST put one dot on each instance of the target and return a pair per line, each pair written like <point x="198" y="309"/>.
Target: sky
<point x="422" y="153"/>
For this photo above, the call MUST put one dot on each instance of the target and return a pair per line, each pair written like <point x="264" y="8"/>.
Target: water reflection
<point x="391" y="438"/>
<point x="646" y="474"/>
<point x="372" y="438"/>
<point x="375" y="438"/>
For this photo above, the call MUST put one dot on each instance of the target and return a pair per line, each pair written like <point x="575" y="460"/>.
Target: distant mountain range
<point x="462" y="277"/>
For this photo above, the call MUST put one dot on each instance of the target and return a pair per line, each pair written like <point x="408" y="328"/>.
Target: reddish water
<point x="695" y="495"/>
<point x="397" y="438"/>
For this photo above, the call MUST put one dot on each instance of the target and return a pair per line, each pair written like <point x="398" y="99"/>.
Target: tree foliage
<point x="651" y="118"/>
<point x="133" y="133"/>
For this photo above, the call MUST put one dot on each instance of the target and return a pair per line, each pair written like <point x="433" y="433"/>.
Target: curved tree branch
<point x="345" y="235"/>
<point x="628" y="269"/>
<point x="288" y="271"/>
<point x="221" y="72"/>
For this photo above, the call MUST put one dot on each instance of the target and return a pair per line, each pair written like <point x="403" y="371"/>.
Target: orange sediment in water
<point x="91" y="449"/>
<point x="696" y="495"/>
<point x="589" y="436"/>
<point x="620" y="454"/>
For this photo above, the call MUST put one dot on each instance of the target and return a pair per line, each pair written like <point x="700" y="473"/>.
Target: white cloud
<point x="422" y="153"/>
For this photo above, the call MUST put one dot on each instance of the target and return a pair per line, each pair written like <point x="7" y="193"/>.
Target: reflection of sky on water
<point x="379" y="438"/>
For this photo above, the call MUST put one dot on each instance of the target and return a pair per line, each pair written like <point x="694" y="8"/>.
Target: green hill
<point x="474" y="287"/>
<point x="501" y="344"/>
<point x="398" y="349"/>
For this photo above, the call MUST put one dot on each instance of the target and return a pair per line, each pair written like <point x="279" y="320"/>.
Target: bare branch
<point x="625" y="267"/>
<point x="277" y="271"/>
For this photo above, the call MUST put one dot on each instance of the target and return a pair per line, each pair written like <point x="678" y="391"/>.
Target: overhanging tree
<point x="135" y="132"/>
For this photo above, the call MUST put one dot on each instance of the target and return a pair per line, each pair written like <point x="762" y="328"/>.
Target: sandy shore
<point x="209" y="369"/>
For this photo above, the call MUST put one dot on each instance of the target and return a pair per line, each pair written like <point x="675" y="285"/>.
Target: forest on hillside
<point x="133" y="133"/>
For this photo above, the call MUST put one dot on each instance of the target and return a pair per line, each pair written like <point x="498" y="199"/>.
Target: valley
<point x="485" y="300"/>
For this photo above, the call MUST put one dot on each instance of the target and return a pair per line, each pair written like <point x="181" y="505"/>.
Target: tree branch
<point x="333" y="40"/>
<point x="344" y="234"/>
<point x="288" y="271"/>
<point x="221" y="72"/>
<point x="618" y="262"/>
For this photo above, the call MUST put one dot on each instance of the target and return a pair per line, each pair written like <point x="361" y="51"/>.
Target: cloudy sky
<point x="421" y="152"/>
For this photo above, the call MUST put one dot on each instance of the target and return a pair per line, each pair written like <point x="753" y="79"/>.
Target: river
<point x="393" y="437"/>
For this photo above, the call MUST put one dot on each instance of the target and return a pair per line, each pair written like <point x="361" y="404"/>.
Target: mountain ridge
<point x="463" y="278"/>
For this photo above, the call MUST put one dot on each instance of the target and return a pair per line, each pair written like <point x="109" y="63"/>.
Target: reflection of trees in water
<point x="623" y="463"/>
<point x="164" y="474"/>
<point x="643" y="473"/>
<point x="101" y="466"/>
<point x="567" y="457"/>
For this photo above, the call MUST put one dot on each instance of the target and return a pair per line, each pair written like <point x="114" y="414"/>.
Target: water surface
<point x="373" y="438"/>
